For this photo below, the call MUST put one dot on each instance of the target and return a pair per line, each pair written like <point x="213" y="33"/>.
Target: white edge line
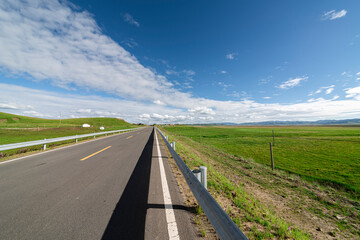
<point x="73" y="145"/>
<point x="169" y="211"/>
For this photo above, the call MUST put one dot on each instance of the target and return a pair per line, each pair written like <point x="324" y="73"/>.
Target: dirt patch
<point x="3" y="120"/>
<point x="15" y="119"/>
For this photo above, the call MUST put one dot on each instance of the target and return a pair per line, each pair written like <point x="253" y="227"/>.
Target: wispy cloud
<point x="189" y="72"/>
<point x="264" y="81"/>
<point x="186" y="76"/>
<point x="224" y="85"/>
<point x="131" y="43"/>
<point x="333" y="14"/>
<point x="355" y="39"/>
<point x="328" y="90"/>
<point x="292" y="82"/>
<point x="231" y="56"/>
<point x="129" y="19"/>
<point x="282" y="66"/>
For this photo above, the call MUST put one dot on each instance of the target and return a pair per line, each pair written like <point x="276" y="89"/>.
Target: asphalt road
<point x="110" y="188"/>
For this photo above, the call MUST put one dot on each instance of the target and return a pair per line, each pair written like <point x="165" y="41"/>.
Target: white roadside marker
<point x="169" y="211"/>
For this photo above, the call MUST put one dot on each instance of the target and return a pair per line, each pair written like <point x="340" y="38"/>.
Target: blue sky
<point x="181" y="61"/>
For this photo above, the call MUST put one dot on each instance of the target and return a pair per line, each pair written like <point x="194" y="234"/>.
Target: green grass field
<point x="14" y="128"/>
<point x="329" y="155"/>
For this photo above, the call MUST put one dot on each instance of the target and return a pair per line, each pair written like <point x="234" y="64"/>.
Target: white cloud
<point x="266" y="97"/>
<point x="353" y="93"/>
<point x="14" y="106"/>
<point x="158" y="102"/>
<point x="332" y="15"/>
<point x="328" y="90"/>
<point x="70" y="105"/>
<point x="158" y="118"/>
<point x="292" y="82"/>
<point x="207" y="118"/>
<point x="231" y="56"/>
<point x="201" y="110"/>
<point x="53" y="42"/>
<point x="84" y="111"/>
<point x="129" y="19"/>
<point x="50" y="104"/>
<point x="223" y="72"/>
<point x="358" y="73"/>
<point x="189" y="72"/>
<point x="35" y="114"/>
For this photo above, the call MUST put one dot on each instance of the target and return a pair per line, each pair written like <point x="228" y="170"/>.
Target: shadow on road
<point x="128" y="219"/>
<point x="129" y="216"/>
<point x="175" y="207"/>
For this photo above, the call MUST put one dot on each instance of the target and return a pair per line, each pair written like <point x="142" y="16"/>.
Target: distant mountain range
<point x="287" y="123"/>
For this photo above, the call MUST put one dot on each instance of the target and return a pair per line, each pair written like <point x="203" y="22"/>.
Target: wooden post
<point x="273" y="138"/>
<point x="272" y="159"/>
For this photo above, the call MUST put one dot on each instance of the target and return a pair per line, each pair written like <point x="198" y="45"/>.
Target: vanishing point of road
<point x="117" y="187"/>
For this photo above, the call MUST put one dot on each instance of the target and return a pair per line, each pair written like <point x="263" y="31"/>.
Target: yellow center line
<point x="94" y="153"/>
<point x="129" y="137"/>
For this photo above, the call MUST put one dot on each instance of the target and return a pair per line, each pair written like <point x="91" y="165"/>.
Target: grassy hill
<point x="15" y="128"/>
<point x="8" y="120"/>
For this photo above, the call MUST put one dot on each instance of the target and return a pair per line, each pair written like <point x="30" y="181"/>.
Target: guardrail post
<point x="166" y="137"/>
<point x="197" y="174"/>
<point x="203" y="170"/>
<point x="44" y="146"/>
<point x="76" y="140"/>
<point x="173" y="145"/>
<point x="94" y="136"/>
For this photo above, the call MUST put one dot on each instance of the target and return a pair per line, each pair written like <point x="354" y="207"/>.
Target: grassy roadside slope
<point x="271" y="205"/>
<point x="326" y="154"/>
<point x="15" y="128"/>
<point x="8" y="120"/>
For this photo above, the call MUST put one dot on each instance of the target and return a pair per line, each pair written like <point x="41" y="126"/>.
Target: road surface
<point x="110" y="188"/>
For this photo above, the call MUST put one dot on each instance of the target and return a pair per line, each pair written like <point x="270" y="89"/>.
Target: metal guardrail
<point x="52" y="140"/>
<point x="222" y="223"/>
